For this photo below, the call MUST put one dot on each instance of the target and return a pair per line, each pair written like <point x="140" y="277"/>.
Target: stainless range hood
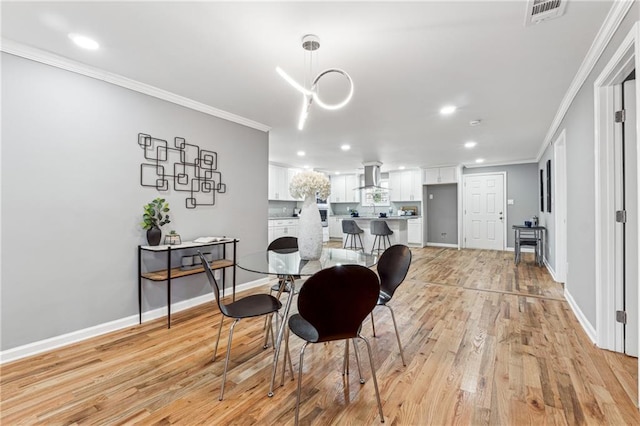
<point x="371" y="175"/>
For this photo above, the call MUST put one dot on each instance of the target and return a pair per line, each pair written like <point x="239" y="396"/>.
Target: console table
<point x="170" y="273"/>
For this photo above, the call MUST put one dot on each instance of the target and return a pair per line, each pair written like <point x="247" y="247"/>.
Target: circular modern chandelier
<point x="311" y="43"/>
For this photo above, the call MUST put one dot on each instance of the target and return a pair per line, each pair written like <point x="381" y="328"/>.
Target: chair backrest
<point x="380" y="227"/>
<point x="393" y="266"/>
<point x="213" y="283"/>
<point x="350" y="227"/>
<point x="336" y="300"/>
<point x="283" y="243"/>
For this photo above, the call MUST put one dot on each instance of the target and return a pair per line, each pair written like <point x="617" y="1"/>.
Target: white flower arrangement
<point x="309" y="183"/>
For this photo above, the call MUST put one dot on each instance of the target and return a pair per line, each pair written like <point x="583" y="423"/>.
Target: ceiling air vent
<point x="541" y="10"/>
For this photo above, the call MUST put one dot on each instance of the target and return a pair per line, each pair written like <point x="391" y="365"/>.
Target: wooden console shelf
<point x="172" y="272"/>
<point x="178" y="272"/>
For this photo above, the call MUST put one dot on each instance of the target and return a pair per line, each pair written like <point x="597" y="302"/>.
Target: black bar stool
<point x="380" y="229"/>
<point x="351" y="228"/>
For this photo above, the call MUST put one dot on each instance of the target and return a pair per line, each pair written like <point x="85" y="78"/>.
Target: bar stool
<point x="351" y="228"/>
<point x="380" y="229"/>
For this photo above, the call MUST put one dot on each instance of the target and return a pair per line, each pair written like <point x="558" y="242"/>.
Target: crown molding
<point x="610" y="25"/>
<point x="498" y="164"/>
<point x="37" y="55"/>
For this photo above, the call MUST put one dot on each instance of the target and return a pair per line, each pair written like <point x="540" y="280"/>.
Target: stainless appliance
<point x="324" y="213"/>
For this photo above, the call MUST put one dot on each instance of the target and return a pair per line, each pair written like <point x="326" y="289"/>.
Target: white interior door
<point x="631" y="225"/>
<point x="484" y="211"/>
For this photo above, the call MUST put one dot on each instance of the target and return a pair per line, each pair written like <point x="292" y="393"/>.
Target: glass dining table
<point x="288" y="263"/>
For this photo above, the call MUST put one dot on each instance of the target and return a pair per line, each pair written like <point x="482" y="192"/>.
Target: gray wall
<point x="442" y="213"/>
<point x="522" y="188"/>
<point x="72" y="200"/>
<point x="579" y="126"/>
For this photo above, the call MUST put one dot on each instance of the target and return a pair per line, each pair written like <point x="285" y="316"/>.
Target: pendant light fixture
<point x="310" y="43"/>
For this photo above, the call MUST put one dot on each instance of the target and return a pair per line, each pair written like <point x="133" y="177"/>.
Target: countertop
<point x="377" y="217"/>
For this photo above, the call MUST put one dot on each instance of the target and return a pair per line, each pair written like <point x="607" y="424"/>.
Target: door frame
<point x="560" y="207"/>
<point x="504" y="205"/>
<point x="621" y="64"/>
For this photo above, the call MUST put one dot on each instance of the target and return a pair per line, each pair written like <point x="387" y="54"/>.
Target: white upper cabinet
<point x="343" y="189"/>
<point x="437" y="175"/>
<point x="405" y="185"/>
<point x="279" y="179"/>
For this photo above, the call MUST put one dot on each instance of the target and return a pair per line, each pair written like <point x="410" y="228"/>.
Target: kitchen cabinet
<point x="405" y="185"/>
<point x="279" y="179"/>
<point x="335" y="227"/>
<point x="414" y="231"/>
<point x="343" y="189"/>
<point x="438" y="175"/>
<point x="282" y="228"/>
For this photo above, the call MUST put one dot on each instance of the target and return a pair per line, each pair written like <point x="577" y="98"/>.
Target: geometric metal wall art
<point x="194" y="171"/>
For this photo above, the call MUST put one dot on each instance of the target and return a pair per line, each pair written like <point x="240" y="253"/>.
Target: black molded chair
<point x="254" y="305"/>
<point x="331" y="306"/>
<point x="351" y="228"/>
<point x="380" y="229"/>
<point x="393" y="266"/>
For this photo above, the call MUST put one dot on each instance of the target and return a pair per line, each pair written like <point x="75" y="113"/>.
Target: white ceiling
<point x="406" y="59"/>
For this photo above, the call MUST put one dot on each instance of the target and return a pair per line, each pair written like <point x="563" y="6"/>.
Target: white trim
<point x="582" y="319"/>
<point x="551" y="271"/>
<point x="560" y="207"/>
<point x="622" y="62"/>
<point x="27" y="52"/>
<point x="445" y="245"/>
<point x="55" y="342"/>
<point x="609" y="27"/>
<point x="522" y="249"/>
<point x="508" y="163"/>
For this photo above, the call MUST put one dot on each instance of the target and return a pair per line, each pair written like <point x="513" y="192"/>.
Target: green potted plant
<point x="155" y="215"/>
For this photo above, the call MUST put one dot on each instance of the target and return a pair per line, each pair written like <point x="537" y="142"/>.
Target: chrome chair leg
<point x="345" y="362"/>
<point x="215" y="351"/>
<point x="287" y="357"/>
<point x="355" y="350"/>
<point x="226" y="361"/>
<point x="304" y="346"/>
<point x="393" y="318"/>
<point x="375" y="381"/>
<point x="373" y="325"/>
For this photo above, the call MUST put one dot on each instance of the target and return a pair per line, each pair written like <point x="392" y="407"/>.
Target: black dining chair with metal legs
<point x="284" y="245"/>
<point x="393" y="266"/>
<point x="331" y="306"/>
<point x="254" y="305"/>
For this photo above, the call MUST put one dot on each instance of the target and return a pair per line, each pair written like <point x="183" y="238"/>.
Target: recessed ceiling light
<point x="470" y="144"/>
<point x="301" y="153"/>
<point x="84" y="41"/>
<point x="480" y="160"/>
<point x="401" y="168"/>
<point x="446" y="110"/>
<point x="337" y="173"/>
<point x="345" y="147"/>
<point x="306" y="166"/>
<point x="475" y="122"/>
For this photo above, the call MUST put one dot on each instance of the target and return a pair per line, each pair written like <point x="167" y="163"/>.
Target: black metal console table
<point x="170" y="273"/>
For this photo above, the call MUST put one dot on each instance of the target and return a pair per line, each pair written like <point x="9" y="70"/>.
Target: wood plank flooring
<point x="486" y="343"/>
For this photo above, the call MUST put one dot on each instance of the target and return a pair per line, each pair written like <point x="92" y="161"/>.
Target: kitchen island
<point x="398" y="225"/>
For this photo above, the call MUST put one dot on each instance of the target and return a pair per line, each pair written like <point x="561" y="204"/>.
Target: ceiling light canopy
<point x="470" y="144"/>
<point x="447" y="110"/>
<point x="84" y="41"/>
<point x="310" y="43"/>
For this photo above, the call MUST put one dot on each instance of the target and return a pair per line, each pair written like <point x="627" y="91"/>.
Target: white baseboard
<point x="55" y="342"/>
<point x="522" y="249"/>
<point x="442" y="245"/>
<point x="582" y="319"/>
<point x="551" y="271"/>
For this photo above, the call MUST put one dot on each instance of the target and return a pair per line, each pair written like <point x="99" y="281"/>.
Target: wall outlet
<point x="510" y="202"/>
<point x="217" y="274"/>
<point x="431" y="196"/>
<point x="443" y="235"/>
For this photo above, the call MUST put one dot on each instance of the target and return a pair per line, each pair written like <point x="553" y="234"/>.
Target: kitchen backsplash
<point x="342" y="209"/>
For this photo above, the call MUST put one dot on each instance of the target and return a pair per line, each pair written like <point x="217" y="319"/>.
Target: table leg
<point x="283" y="324"/>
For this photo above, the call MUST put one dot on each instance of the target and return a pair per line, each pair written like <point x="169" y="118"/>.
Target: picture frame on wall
<point x="541" y="190"/>
<point x="548" y="186"/>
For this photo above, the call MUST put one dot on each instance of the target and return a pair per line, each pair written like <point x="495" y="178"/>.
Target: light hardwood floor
<point x="486" y="342"/>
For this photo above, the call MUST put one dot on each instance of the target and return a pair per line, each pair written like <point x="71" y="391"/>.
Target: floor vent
<point x="542" y="10"/>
